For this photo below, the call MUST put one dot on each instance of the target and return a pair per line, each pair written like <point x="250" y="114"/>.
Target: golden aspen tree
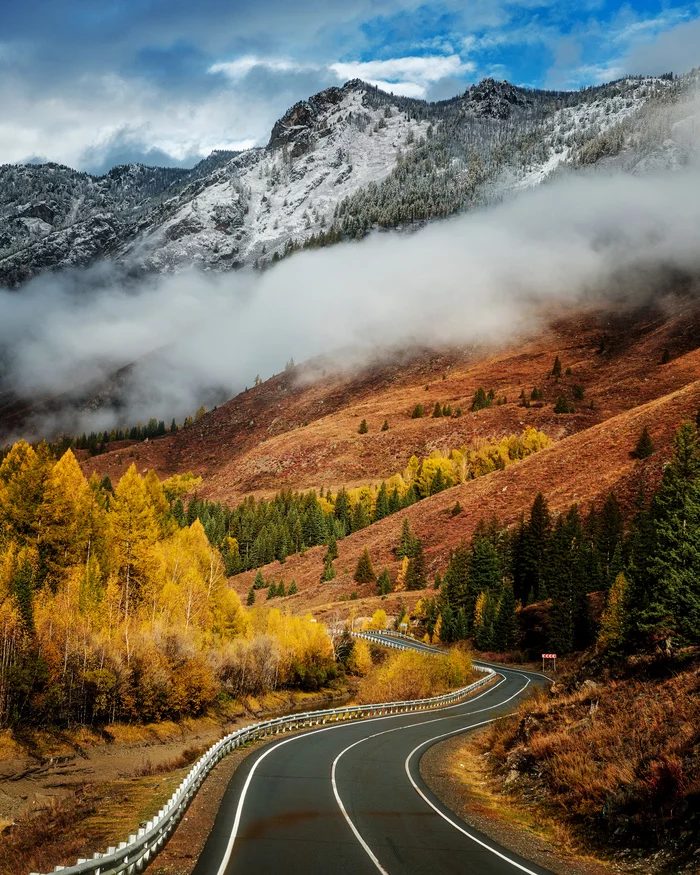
<point x="378" y="621"/>
<point x="479" y="610"/>
<point x="64" y="532"/>
<point x="161" y="505"/>
<point x="135" y="530"/>
<point x="436" y="631"/>
<point x="22" y="475"/>
<point x="401" y="578"/>
<point x="360" y="662"/>
<point x="11" y="634"/>
<point x="613" y="623"/>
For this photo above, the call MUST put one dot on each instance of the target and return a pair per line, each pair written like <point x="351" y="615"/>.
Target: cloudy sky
<point x="93" y="84"/>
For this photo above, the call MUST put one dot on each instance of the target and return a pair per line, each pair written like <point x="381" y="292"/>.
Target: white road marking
<point x="443" y="815"/>
<point x="239" y="810"/>
<point x="342" y="753"/>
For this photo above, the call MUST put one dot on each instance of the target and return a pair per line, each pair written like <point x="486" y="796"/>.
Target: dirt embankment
<point x="64" y="795"/>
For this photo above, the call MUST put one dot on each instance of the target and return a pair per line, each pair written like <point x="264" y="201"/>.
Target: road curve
<point x="349" y="799"/>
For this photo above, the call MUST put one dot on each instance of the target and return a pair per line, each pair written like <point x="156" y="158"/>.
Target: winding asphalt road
<point x="348" y="798"/>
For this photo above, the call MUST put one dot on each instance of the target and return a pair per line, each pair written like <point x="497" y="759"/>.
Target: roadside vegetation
<point x="407" y="674"/>
<point x="615" y="760"/>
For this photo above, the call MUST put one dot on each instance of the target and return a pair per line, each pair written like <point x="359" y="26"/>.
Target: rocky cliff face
<point x="336" y="165"/>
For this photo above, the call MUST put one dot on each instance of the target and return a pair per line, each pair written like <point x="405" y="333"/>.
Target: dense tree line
<point x="650" y="570"/>
<point x="256" y="533"/>
<point x="113" y="609"/>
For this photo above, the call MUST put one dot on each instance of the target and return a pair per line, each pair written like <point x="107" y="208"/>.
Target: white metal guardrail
<point x="139" y="850"/>
<point x="387" y="635"/>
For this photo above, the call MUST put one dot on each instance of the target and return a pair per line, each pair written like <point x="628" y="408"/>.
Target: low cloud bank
<point x="480" y="277"/>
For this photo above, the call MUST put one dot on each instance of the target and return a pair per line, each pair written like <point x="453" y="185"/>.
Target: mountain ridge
<point x="344" y="161"/>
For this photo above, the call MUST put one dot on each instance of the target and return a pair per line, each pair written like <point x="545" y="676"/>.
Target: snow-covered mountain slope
<point x="344" y="161"/>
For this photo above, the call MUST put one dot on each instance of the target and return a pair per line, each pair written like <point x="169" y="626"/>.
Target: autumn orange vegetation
<point x="618" y="760"/>
<point x="408" y="674"/>
<point x="110" y="611"/>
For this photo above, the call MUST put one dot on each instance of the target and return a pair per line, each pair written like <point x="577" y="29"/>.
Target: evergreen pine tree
<point x="415" y="573"/>
<point x="360" y="516"/>
<point x="259" y="582"/>
<point x="328" y="572"/>
<point x="364" y="572"/>
<point x="455" y="585"/>
<point x="342" y="509"/>
<point x="448" y="629"/>
<point x="609" y="534"/>
<point x="505" y="627"/>
<point x="673" y="601"/>
<point x="363" y="429"/>
<point x="384" y="582"/>
<point x="481" y="400"/>
<point x="556" y="370"/>
<point x="645" y="445"/>
<point x="332" y="551"/>
<point x="407" y="543"/>
<point x="385" y="425"/>
<point x="485" y="573"/>
<point x="293" y="588"/>
<point x="251" y="596"/>
<point x="394" y="501"/>
<point x="437" y="410"/>
<point x="381" y="507"/>
<point x="531" y="550"/>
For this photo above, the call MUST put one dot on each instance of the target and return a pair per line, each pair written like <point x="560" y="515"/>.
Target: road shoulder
<point x="455" y="772"/>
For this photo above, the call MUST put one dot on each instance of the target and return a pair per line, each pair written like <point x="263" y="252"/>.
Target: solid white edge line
<point x="342" y="753"/>
<point x="442" y="814"/>
<point x="239" y="810"/>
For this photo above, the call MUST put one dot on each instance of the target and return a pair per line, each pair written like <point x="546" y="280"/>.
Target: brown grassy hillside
<point x="299" y="430"/>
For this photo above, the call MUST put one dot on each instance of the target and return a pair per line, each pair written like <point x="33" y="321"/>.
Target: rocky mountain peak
<point x="495" y="99"/>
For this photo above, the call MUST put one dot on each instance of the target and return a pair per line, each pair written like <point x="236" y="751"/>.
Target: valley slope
<point x="299" y="430"/>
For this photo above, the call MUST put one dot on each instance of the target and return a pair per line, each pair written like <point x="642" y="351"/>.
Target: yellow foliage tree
<point x="378" y="621"/>
<point x="613" y="622"/>
<point x="401" y="577"/>
<point x="64" y="514"/>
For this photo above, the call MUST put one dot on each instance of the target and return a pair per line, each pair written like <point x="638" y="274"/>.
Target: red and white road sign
<point x="549" y="656"/>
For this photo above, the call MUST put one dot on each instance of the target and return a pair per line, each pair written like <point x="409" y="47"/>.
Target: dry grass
<point x="99" y="816"/>
<point x="186" y="758"/>
<point x="619" y="762"/>
<point x="9" y="748"/>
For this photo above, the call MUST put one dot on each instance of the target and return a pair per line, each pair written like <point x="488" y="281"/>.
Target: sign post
<point x="548" y="656"/>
